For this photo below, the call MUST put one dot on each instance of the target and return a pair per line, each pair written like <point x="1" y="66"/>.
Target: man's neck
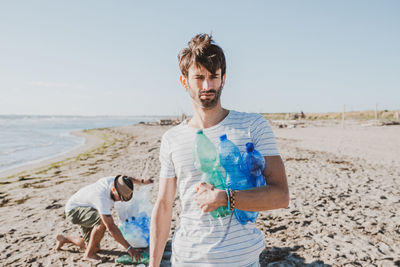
<point x="206" y="118"/>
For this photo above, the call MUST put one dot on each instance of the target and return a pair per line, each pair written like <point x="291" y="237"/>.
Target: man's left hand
<point x="208" y="197"/>
<point x="148" y="181"/>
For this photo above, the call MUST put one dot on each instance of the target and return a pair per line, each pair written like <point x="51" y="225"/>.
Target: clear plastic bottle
<point x="231" y="160"/>
<point x="206" y="160"/>
<point x="253" y="165"/>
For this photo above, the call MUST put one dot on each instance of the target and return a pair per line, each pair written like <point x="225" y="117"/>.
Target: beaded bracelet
<point x="229" y="198"/>
<point x="232" y="199"/>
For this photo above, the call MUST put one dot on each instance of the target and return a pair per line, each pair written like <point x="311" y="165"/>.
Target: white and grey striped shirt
<point x="201" y="240"/>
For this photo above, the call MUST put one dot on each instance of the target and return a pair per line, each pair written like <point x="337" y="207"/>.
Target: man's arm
<point x="141" y="181"/>
<point x="273" y="196"/>
<point x="161" y="220"/>
<point x="114" y="231"/>
<point x="117" y="235"/>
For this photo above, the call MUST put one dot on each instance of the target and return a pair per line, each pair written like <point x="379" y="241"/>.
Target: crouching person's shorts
<point x="86" y="218"/>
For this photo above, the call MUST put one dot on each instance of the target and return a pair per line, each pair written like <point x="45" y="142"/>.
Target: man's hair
<point x="203" y="51"/>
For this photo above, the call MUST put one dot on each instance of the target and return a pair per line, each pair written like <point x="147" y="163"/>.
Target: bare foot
<point x="92" y="257"/>
<point x="60" y="241"/>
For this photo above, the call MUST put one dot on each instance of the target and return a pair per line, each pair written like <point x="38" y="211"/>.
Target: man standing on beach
<point x="90" y="208"/>
<point x="201" y="240"/>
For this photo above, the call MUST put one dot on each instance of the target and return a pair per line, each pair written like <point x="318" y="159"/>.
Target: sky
<point x="120" y="57"/>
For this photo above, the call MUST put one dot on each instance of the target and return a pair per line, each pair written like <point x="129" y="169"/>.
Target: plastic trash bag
<point x="134" y="217"/>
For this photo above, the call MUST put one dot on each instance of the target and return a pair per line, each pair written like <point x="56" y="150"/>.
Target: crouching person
<point x="90" y="208"/>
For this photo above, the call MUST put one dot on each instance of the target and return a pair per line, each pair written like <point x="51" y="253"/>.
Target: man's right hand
<point x="116" y="233"/>
<point x="209" y="198"/>
<point x="133" y="252"/>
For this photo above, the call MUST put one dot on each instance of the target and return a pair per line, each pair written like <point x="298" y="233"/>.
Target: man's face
<point x="204" y="87"/>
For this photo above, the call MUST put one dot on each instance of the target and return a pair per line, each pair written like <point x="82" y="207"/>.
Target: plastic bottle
<point x="253" y="165"/>
<point x="126" y="259"/>
<point x="206" y="160"/>
<point x="231" y="160"/>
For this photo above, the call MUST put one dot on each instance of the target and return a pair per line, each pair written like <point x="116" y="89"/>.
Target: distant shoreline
<point x="67" y="150"/>
<point x="90" y="142"/>
<point x="76" y="149"/>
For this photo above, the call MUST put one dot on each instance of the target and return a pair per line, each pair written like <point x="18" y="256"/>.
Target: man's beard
<point x="206" y="103"/>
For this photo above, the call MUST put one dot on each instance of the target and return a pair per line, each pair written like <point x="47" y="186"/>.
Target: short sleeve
<point x="167" y="166"/>
<point x="103" y="206"/>
<point x="262" y="136"/>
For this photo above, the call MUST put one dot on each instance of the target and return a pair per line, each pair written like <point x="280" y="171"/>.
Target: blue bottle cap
<point x="200" y="131"/>
<point x="222" y="137"/>
<point x="249" y="147"/>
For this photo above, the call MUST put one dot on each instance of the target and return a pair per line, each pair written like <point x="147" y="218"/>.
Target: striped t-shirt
<point x="201" y="240"/>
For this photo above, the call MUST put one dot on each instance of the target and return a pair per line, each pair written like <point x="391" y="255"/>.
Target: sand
<point x="344" y="187"/>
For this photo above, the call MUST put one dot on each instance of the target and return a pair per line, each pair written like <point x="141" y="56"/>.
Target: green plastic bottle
<point x="126" y="259"/>
<point x="206" y="160"/>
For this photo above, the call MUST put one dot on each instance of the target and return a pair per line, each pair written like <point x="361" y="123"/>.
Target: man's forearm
<point x="273" y="196"/>
<point x="262" y="198"/>
<point x="256" y="199"/>
<point x="159" y="231"/>
<point x="117" y="235"/>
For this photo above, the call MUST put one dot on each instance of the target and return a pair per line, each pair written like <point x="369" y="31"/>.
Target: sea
<point x="28" y="139"/>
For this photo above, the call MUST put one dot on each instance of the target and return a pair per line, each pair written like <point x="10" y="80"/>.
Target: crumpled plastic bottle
<point x="231" y="159"/>
<point x="206" y="160"/>
<point x="253" y="165"/>
<point x="126" y="259"/>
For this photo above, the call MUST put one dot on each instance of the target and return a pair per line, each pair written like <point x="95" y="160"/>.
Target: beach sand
<point x="344" y="188"/>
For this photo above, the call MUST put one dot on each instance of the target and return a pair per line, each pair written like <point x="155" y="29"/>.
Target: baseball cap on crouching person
<point x="124" y="187"/>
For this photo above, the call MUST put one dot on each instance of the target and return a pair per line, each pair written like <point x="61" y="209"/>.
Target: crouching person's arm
<point x="117" y="235"/>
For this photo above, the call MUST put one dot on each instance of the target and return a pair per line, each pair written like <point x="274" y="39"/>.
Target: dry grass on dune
<point x="385" y="115"/>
